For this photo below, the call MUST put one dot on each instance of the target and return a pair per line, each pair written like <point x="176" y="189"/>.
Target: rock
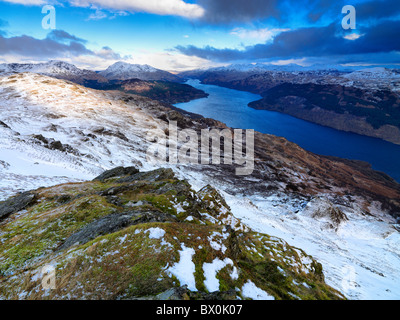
<point x="156" y="175"/>
<point x="15" y="204"/>
<point x="4" y="125"/>
<point x="183" y="293"/>
<point x="117" y="172"/>
<point x="114" y="223"/>
<point x="323" y="209"/>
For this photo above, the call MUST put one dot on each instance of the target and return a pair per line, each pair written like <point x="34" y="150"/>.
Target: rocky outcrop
<point x="16" y="204"/>
<point x="323" y="209"/>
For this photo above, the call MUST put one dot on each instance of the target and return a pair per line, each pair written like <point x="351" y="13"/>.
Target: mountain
<point x="217" y="231"/>
<point x="56" y="69"/>
<point x="125" y="71"/>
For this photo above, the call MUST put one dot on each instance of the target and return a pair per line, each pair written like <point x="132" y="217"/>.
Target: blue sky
<point x="178" y="35"/>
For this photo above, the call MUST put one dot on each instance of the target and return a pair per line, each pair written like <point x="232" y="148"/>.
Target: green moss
<point x="39" y="232"/>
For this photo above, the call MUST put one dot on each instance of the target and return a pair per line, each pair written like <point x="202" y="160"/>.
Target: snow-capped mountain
<point x="373" y="78"/>
<point x="126" y="71"/>
<point x="56" y="69"/>
<point x="53" y="131"/>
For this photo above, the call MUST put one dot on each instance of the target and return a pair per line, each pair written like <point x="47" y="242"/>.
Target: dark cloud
<point x="50" y="47"/>
<point x="310" y="42"/>
<point x="230" y="11"/>
<point x="281" y="11"/>
<point x="378" y="9"/>
<point x="62" y="36"/>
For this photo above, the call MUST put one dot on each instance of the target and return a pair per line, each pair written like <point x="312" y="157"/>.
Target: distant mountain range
<point x="365" y="101"/>
<point x="137" y="79"/>
<point x="67" y="71"/>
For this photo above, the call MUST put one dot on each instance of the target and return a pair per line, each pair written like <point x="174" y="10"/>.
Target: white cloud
<point x="261" y="35"/>
<point x="171" y="61"/>
<point x="28" y="2"/>
<point x="353" y="36"/>
<point x="160" y="7"/>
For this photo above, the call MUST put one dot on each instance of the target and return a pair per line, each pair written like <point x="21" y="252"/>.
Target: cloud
<point x="378" y="9"/>
<point x="310" y="42"/>
<point x="98" y="15"/>
<point x="160" y="7"/>
<point x="230" y="11"/>
<point x="62" y="36"/>
<point x="261" y="35"/>
<point x="109" y="54"/>
<point x="58" y="45"/>
<point x="32" y="47"/>
<point x="27" y="2"/>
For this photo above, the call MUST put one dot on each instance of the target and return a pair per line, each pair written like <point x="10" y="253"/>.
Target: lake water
<point x="230" y="106"/>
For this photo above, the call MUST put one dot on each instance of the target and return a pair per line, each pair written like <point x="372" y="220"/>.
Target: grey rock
<point x="15" y="204"/>
<point x="117" y="172"/>
<point x="113" y="223"/>
<point x="155" y="175"/>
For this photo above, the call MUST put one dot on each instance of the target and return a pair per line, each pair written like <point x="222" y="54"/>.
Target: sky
<point x="180" y="35"/>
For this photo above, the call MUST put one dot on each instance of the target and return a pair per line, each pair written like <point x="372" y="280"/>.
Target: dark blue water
<point x="230" y="107"/>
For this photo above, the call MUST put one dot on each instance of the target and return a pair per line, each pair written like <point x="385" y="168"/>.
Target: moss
<point x="44" y="227"/>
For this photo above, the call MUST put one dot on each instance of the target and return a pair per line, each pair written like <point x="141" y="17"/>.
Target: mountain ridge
<point x="125" y="71"/>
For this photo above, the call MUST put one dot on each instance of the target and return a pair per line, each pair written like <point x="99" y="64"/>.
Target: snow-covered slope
<point x="54" y="68"/>
<point x="38" y="111"/>
<point x="125" y="71"/>
<point x="52" y="131"/>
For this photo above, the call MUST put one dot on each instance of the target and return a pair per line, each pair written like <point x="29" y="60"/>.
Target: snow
<point x="124" y="71"/>
<point x="369" y="247"/>
<point x="215" y="241"/>
<point x="250" y="290"/>
<point x="184" y="269"/>
<point x="210" y="273"/>
<point x="156" y="233"/>
<point x="63" y="112"/>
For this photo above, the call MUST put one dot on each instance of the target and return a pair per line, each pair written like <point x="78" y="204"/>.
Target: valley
<point x="365" y="102"/>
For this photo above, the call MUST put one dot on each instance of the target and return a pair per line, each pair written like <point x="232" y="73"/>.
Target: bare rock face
<point x="16" y="204"/>
<point x="324" y="210"/>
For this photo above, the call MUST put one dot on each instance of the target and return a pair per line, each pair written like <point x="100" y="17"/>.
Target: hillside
<point x="146" y="235"/>
<point x="163" y="91"/>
